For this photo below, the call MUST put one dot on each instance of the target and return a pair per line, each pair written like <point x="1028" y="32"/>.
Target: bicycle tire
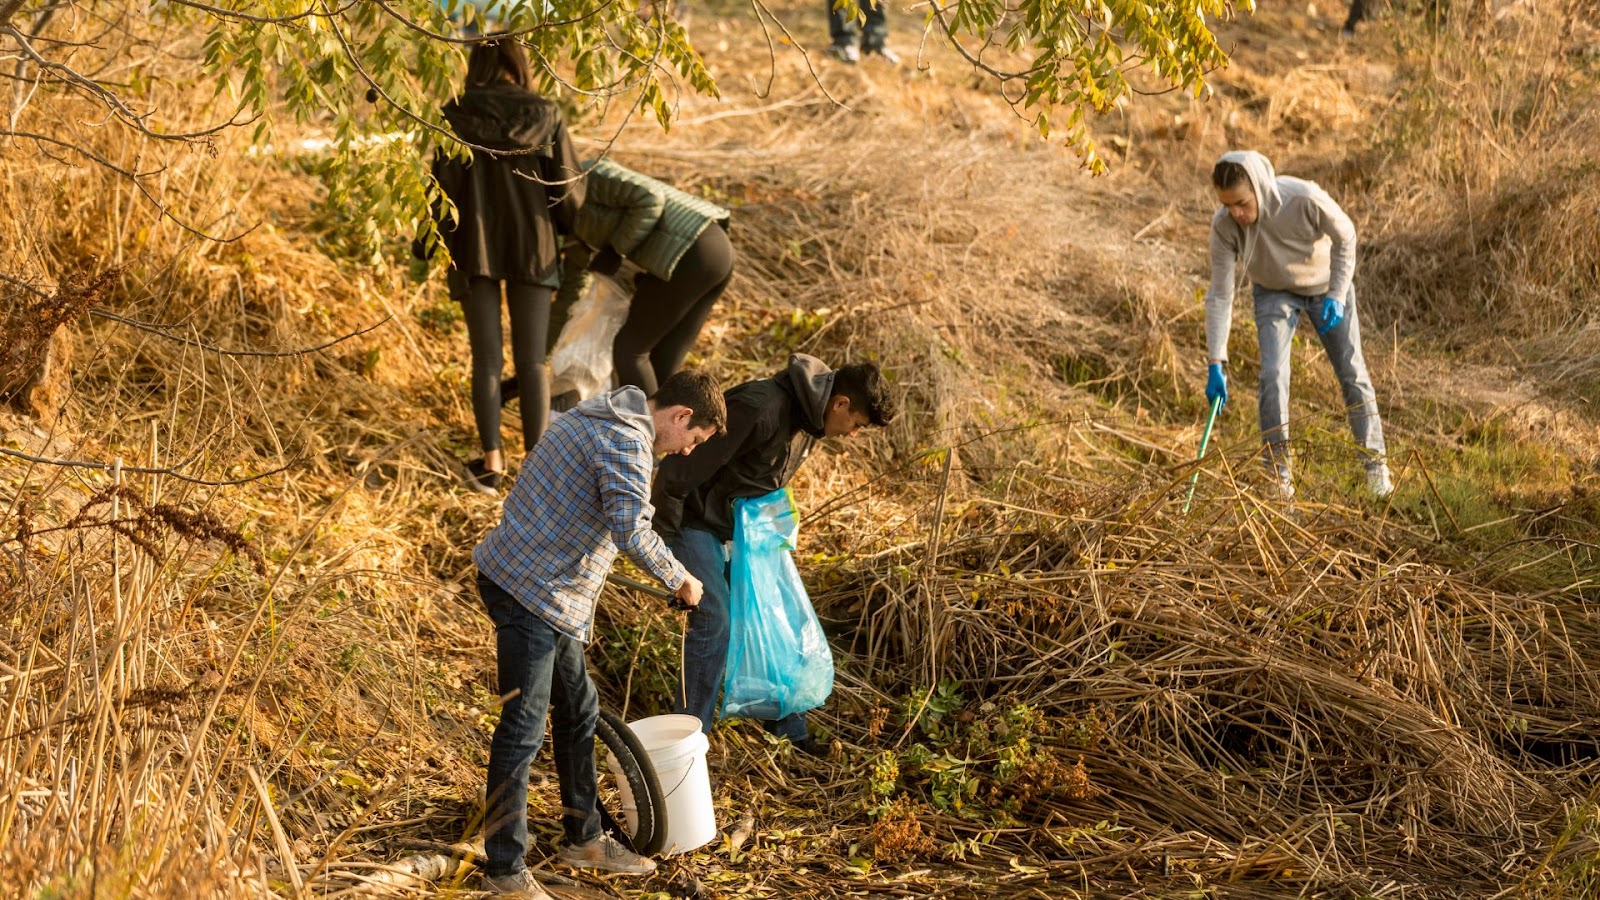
<point x="650" y="805"/>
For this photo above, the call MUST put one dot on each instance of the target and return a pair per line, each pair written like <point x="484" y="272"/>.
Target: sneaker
<point x="606" y="854"/>
<point x="1378" y="480"/>
<point x="517" y="884"/>
<point x="1278" y="483"/>
<point x="483" y="479"/>
<point x="883" y="53"/>
<point x="845" y="53"/>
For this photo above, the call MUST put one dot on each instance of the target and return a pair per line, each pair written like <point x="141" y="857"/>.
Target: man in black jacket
<point x="773" y="424"/>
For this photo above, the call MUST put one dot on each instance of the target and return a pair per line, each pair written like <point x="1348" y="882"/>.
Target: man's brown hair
<point x="698" y="390"/>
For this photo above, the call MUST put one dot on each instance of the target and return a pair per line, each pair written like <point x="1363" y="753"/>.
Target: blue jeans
<point x="539" y="665"/>
<point x="1277" y="315"/>
<point x="705" y="643"/>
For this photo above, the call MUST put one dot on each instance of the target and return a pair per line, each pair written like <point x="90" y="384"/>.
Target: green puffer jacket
<point x="645" y="221"/>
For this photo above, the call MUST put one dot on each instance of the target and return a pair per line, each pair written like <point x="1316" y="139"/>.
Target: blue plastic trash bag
<point x="778" y="658"/>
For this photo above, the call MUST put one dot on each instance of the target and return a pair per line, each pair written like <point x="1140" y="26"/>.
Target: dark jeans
<point x="705" y="645"/>
<point x="541" y="666"/>
<point x="842" y="28"/>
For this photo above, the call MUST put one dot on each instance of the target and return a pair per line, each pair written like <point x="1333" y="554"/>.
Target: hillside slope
<point x="1052" y="681"/>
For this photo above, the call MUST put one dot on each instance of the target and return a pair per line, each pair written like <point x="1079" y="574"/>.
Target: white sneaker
<point x="1280" y="477"/>
<point x="845" y="53"/>
<point x="606" y="854"/>
<point x="1378" y="480"/>
<point x="518" y="884"/>
<point x="885" y="54"/>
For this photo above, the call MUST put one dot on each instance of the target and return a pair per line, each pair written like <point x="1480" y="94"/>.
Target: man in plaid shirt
<point x="582" y="495"/>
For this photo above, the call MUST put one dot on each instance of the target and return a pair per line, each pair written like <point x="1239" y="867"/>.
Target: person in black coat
<point x="773" y="424"/>
<point x="518" y="191"/>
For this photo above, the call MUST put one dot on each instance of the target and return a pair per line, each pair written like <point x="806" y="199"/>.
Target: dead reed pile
<point x="1295" y="697"/>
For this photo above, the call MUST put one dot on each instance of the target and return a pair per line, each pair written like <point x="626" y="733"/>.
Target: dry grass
<point x="283" y="686"/>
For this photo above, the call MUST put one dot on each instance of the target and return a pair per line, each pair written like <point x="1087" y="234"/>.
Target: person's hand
<point x="688" y="594"/>
<point x="1216" y="384"/>
<point x="1332" y="314"/>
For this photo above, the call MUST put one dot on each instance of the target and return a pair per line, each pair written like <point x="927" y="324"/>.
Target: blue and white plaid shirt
<point x="582" y="495"/>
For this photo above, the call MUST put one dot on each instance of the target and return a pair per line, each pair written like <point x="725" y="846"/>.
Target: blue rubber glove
<point x="1216" y="384"/>
<point x="1332" y="314"/>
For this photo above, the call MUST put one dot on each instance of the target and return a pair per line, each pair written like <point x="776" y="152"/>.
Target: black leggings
<point x="530" y="324"/>
<point x="665" y="317"/>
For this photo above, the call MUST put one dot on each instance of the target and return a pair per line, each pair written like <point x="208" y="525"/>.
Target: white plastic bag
<point x="582" y="359"/>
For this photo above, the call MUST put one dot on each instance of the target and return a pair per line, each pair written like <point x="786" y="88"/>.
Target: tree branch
<point x="143" y="470"/>
<point x="484" y="39"/>
<point x="106" y="96"/>
<point x="97" y="312"/>
<point x="132" y="177"/>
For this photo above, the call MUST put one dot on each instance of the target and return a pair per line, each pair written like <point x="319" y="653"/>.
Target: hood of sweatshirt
<point x="1262" y="178"/>
<point x="625" y="404"/>
<point x="503" y="117"/>
<point x="811" y="382"/>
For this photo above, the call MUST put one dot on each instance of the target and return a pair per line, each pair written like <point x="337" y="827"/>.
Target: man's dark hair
<point x="868" y="392"/>
<point x="699" y="391"/>
<point x="1228" y="174"/>
<point x="499" y="60"/>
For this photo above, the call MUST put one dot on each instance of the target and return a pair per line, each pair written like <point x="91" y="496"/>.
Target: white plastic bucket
<point x="677" y="750"/>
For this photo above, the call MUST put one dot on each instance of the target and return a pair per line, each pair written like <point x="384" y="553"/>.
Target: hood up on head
<point x="1262" y="178"/>
<point x="811" y="382"/>
<point x="503" y="117"/>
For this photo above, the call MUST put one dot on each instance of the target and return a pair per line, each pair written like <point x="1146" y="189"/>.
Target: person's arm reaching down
<point x="624" y="473"/>
<point x="1219" y="297"/>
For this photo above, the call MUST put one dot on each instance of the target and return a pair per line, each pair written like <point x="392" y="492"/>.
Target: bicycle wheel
<point x="630" y="798"/>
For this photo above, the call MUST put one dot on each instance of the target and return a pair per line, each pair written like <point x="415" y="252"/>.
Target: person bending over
<point x="773" y="424"/>
<point x="680" y="244"/>
<point x="582" y="497"/>
<point x="1299" y="249"/>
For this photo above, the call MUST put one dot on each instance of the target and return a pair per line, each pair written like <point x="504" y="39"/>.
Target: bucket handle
<point x="688" y="770"/>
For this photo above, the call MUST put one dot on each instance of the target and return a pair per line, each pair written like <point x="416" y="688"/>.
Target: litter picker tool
<point x="1205" y="439"/>
<point x="652" y="590"/>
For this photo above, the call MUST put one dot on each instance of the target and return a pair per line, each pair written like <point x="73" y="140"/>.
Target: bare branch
<point x="761" y="7"/>
<point x="484" y="39"/>
<point x="17" y="282"/>
<point x="261" y="354"/>
<point x="108" y="97"/>
<point x="172" y="472"/>
<point x="134" y="178"/>
<point x="221" y="13"/>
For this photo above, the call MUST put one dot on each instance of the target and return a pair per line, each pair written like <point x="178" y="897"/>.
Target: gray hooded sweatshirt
<point x="1301" y="242"/>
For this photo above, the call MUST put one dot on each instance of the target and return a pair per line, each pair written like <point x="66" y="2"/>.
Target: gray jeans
<point x="1277" y="315"/>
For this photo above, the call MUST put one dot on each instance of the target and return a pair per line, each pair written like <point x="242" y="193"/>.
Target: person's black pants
<point x="665" y="317"/>
<point x="874" y="31"/>
<point x="530" y="325"/>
